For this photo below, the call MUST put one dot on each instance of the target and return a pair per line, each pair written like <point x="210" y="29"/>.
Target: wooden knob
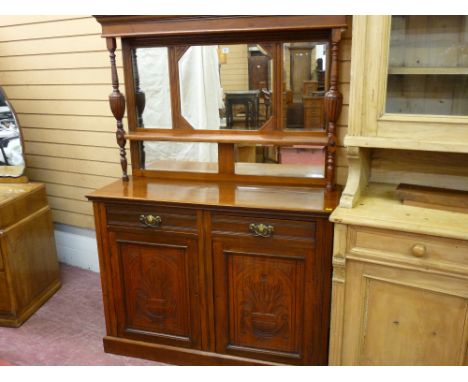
<point x="418" y="250"/>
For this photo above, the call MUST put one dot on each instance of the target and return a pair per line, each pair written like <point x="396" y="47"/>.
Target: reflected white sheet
<point x="199" y="75"/>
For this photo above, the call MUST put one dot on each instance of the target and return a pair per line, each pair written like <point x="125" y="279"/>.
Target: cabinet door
<point x="269" y="300"/>
<point x="404" y="317"/>
<point x="156" y="287"/>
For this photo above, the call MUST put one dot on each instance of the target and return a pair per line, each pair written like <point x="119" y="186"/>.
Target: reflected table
<point x="250" y="100"/>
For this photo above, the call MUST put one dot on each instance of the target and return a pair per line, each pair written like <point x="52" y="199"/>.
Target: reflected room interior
<point x="230" y="87"/>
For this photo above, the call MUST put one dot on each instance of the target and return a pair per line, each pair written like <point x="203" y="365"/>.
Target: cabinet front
<point x="155" y="287"/>
<point x="404" y="317"/>
<point x="268" y="299"/>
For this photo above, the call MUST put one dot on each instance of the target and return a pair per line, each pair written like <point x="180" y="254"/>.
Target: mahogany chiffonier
<point x="216" y="251"/>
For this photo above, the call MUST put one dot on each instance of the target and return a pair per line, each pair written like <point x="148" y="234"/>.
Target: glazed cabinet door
<point x="404" y="317"/>
<point x="270" y="300"/>
<point x="155" y="286"/>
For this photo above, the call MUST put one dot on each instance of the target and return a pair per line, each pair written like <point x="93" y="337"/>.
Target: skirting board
<point x="77" y="247"/>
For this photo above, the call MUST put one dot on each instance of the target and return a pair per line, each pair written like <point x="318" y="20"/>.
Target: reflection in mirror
<point x="11" y="149"/>
<point x="226" y="86"/>
<point x="299" y="161"/>
<point x="180" y="156"/>
<point x="304" y="85"/>
<point x="152" y="90"/>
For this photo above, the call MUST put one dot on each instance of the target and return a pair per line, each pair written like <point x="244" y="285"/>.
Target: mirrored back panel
<point x="304" y="85"/>
<point x="152" y="87"/>
<point x="179" y="156"/>
<point x="298" y="161"/>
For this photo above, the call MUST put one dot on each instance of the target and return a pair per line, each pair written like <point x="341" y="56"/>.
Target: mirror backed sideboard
<point x="217" y="249"/>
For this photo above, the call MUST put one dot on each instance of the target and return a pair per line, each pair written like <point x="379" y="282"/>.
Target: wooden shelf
<point x="379" y="207"/>
<point x="406" y="70"/>
<point x="407" y="144"/>
<point x="315" y="139"/>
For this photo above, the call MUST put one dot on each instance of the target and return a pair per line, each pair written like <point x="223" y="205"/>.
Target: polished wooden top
<point x="19" y="201"/>
<point x="220" y="194"/>
<point x="379" y="207"/>
<point x="13" y="191"/>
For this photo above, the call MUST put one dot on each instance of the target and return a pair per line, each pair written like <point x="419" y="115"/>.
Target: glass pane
<point x="304" y="85"/>
<point x="428" y="65"/>
<point x="152" y="90"/>
<point x="427" y="94"/>
<point x="11" y="149"/>
<point x="180" y="156"/>
<point x="226" y="86"/>
<point x="298" y="161"/>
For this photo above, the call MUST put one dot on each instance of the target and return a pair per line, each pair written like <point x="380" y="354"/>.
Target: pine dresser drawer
<point x="423" y="250"/>
<point x="151" y="217"/>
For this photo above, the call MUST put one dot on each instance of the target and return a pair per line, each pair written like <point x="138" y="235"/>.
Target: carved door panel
<point x="268" y="300"/>
<point x="156" y="288"/>
<point x="404" y="317"/>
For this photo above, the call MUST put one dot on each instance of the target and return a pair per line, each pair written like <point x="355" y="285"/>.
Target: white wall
<point x="77" y="247"/>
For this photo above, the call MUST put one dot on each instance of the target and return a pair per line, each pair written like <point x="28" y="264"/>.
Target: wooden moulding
<point x="238" y="137"/>
<point x="123" y="26"/>
<point x="358" y="176"/>
<point x="432" y="197"/>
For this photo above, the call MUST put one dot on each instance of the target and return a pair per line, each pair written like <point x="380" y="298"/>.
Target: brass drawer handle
<point x="263" y="230"/>
<point x="150" y="220"/>
<point x="418" y="250"/>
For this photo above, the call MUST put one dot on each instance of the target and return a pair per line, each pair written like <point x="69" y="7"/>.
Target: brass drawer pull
<point x="263" y="230"/>
<point x="150" y="220"/>
<point x="418" y="250"/>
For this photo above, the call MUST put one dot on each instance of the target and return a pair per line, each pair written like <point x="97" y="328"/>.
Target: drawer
<point x="429" y="251"/>
<point x="152" y="217"/>
<point x="1" y="261"/>
<point x="259" y="226"/>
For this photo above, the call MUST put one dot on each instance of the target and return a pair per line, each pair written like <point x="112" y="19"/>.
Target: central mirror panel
<point x="226" y="86"/>
<point x="304" y="85"/>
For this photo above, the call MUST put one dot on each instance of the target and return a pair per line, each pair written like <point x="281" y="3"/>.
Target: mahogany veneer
<point x="203" y="287"/>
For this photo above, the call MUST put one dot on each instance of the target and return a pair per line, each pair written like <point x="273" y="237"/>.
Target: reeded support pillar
<point x="117" y="104"/>
<point x="332" y="103"/>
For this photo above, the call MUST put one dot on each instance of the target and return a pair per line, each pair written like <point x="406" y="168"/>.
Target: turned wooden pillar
<point x="333" y="102"/>
<point x="117" y="104"/>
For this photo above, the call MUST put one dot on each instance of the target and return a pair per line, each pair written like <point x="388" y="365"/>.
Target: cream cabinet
<point x="398" y="298"/>
<point x="400" y="272"/>
<point x="409" y="85"/>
